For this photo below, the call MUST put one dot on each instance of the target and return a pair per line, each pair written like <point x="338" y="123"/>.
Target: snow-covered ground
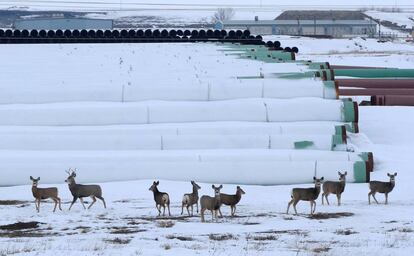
<point x="129" y="225"/>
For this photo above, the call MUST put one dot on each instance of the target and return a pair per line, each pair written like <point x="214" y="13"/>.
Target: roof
<point x="295" y="22"/>
<point x="321" y="15"/>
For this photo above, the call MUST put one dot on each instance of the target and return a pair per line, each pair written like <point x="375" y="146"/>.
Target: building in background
<point x="308" y="23"/>
<point x="63" y="23"/>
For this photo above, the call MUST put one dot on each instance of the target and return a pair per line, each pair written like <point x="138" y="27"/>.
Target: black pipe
<point x="148" y="33"/>
<point x="259" y="38"/>
<point x="288" y="49"/>
<point x="59" y="33"/>
<point x="231" y="34"/>
<point x="42" y="33"/>
<point x="173" y="33"/>
<point x="108" y="33"/>
<point x="132" y="33"/>
<point x="16" y="33"/>
<point x="76" y="33"/>
<point x="180" y="32"/>
<point x="223" y="33"/>
<point x="270" y="44"/>
<point x="140" y="33"/>
<point x="295" y="49"/>
<point x="83" y="33"/>
<point x="1" y="32"/>
<point x="246" y="33"/>
<point x="156" y="33"/>
<point x="34" y="33"/>
<point x="67" y="33"/>
<point x="50" y="33"/>
<point x="202" y="34"/>
<point x="194" y="33"/>
<point x="239" y="33"/>
<point x="124" y="33"/>
<point x="99" y="33"/>
<point x="115" y="33"/>
<point x="164" y="33"/>
<point x="187" y="32"/>
<point x="9" y="33"/>
<point x="276" y="44"/>
<point x="91" y="33"/>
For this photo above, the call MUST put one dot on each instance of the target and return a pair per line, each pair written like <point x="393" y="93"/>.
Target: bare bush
<point x="223" y="14"/>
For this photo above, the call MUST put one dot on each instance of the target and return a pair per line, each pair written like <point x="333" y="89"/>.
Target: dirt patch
<point x="250" y="223"/>
<point x="13" y="202"/>
<point x="118" y="241"/>
<point x="221" y="237"/>
<point x="126" y="230"/>
<point x="345" y="232"/>
<point x="268" y="237"/>
<point x="181" y="238"/>
<point x="21" y="225"/>
<point x="321" y="249"/>
<point x="329" y="215"/>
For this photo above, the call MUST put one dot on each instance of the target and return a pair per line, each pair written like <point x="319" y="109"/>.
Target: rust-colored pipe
<point x="375" y="91"/>
<point x="376" y="83"/>
<point x="392" y="100"/>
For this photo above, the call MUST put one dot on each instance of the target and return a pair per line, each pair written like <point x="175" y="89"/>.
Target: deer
<point x="381" y="187"/>
<point x="231" y="200"/>
<point x="80" y="191"/>
<point x="334" y="187"/>
<point x="211" y="203"/>
<point x="190" y="199"/>
<point x="306" y="194"/>
<point x="44" y="193"/>
<point x="161" y="198"/>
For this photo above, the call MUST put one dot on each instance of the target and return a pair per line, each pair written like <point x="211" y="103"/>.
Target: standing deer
<point x="306" y="194"/>
<point x="381" y="187"/>
<point x="44" y="193"/>
<point x="80" y="191"/>
<point x="334" y="187"/>
<point x="161" y="199"/>
<point x="190" y="199"/>
<point x="231" y="200"/>
<point x="211" y="203"/>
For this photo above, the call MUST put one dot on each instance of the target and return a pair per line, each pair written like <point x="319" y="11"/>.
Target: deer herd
<point x="210" y="203"/>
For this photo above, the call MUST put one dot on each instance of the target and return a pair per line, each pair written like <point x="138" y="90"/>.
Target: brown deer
<point x="381" y="187"/>
<point x="231" y="200"/>
<point x="80" y="191"/>
<point x="161" y="199"/>
<point x="306" y="194"/>
<point x="44" y="193"/>
<point x="211" y="203"/>
<point x="190" y="199"/>
<point x="334" y="187"/>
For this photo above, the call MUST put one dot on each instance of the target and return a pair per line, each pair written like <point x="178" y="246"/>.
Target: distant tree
<point x="223" y="14"/>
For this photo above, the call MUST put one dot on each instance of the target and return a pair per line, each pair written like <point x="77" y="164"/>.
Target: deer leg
<point x="188" y="210"/>
<point x="93" y="201"/>
<point x="158" y="206"/>
<point x="182" y="208"/>
<point x="326" y="197"/>
<point x="103" y="200"/>
<point x="339" y="199"/>
<point x="294" y="206"/>
<point x="202" y="214"/>
<point x="369" y="198"/>
<point x="81" y="200"/>
<point x="212" y="215"/>
<point x="38" y="205"/>
<point x="73" y="201"/>
<point x="168" y="205"/>
<point x="311" y="205"/>
<point x="56" y="202"/>
<point x="197" y="206"/>
<point x="386" y="198"/>
<point x="287" y="211"/>
<point x="60" y="201"/>
<point x="234" y="210"/>
<point x="314" y="206"/>
<point x="221" y="215"/>
<point x="322" y="197"/>
<point x="373" y="195"/>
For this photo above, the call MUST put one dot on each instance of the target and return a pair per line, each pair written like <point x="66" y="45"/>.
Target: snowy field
<point x="129" y="225"/>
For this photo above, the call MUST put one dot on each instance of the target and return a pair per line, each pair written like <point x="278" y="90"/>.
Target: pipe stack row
<point x="212" y="112"/>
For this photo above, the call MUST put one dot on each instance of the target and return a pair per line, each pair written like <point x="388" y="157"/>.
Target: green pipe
<point x="361" y="174"/>
<point x="373" y="73"/>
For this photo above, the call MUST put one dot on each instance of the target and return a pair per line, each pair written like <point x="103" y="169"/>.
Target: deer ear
<point x="314" y="178"/>
<point x="74" y="174"/>
<point x="339" y="173"/>
<point x="158" y="182"/>
<point x="38" y="178"/>
<point x="31" y="178"/>
<point x="238" y="187"/>
<point x="395" y="174"/>
<point x="221" y="186"/>
<point x="388" y="174"/>
<point x="192" y="182"/>
<point x="346" y="173"/>
<point x="322" y="179"/>
<point x="213" y="186"/>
